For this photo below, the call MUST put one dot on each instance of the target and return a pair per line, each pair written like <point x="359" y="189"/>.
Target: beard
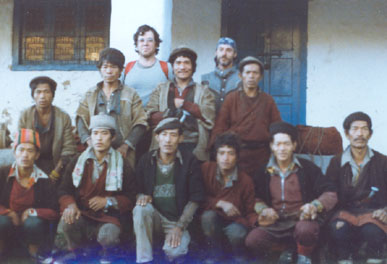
<point x="224" y="63"/>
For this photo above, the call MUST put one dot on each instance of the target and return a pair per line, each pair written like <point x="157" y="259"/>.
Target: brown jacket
<point x="158" y="102"/>
<point x="64" y="143"/>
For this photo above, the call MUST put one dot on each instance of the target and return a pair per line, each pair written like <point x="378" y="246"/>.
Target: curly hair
<point x="141" y="31"/>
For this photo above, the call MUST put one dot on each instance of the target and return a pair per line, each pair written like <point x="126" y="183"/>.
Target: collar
<point x="155" y="154"/>
<point x="190" y="84"/>
<point x="347" y="156"/>
<point x="100" y="84"/>
<point x="273" y="168"/>
<point x="35" y="175"/>
<point x="233" y="177"/>
<point x="225" y="73"/>
<point x="91" y="155"/>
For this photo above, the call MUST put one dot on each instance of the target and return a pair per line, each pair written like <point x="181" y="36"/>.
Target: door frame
<point x="303" y="4"/>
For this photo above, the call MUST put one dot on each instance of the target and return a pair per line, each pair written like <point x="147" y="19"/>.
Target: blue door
<point x="275" y="32"/>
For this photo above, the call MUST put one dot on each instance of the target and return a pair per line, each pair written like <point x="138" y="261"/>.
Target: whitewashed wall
<point x="347" y="64"/>
<point x="197" y="24"/>
<point x="126" y="16"/>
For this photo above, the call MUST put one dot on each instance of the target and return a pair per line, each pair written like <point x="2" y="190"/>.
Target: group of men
<point x="164" y="152"/>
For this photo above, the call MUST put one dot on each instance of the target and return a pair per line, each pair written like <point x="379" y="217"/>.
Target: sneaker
<point x="286" y="257"/>
<point x="303" y="260"/>
<point x="374" y="261"/>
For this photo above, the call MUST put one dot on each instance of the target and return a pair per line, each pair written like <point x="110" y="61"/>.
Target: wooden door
<point x="275" y="32"/>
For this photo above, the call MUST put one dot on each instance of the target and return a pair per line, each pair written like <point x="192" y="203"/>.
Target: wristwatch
<point x="108" y="202"/>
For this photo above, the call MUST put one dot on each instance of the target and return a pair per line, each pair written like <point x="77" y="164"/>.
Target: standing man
<point x="292" y="196"/>
<point x="97" y="191"/>
<point x="191" y="102"/>
<point x="229" y="207"/>
<point x="225" y="76"/>
<point x="119" y="101"/>
<point x="248" y="112"/>
<point x="171" y="188"/>
<point x="52" y="124"/>
<point x="27" y="197"/>
<point x="360" y="174"/>
<point x="147" y="72"/>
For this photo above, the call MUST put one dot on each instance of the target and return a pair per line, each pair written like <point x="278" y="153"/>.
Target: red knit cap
<point x="27" y="136"/>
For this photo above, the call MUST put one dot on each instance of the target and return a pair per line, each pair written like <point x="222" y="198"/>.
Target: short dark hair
<point x="184" y="52"/>
<point x="228" y="139"/>
<point x="142" y="30"/>
<point x="357" y="116"/>
<point x="285" y="128"/>
<point x="113" y="56"/>
<point x="42" y="80"/>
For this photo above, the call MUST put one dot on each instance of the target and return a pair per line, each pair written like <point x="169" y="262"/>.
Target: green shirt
<point x="164" y="194"/>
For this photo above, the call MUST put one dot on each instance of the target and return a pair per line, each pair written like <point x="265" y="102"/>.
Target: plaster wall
<point x="197" y="24"/>
<point x="346" y="64"/>
<point x="126" y="16"/>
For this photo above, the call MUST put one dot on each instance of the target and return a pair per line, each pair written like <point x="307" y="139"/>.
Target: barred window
<point x="59" y="34"/>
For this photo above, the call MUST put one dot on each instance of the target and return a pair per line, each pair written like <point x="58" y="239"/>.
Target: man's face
<point x="146" y="44"/>
<point x="25" y="155"/>
<point x="182" y="68"/>
<point x="225" y="56"/>
<point x="43" y="96"/>
<point x="358" y="134"/>
<point x="110" y="73"/>
<point x="283" y="147"/>
<point x="250" y="76"/>
<point x="169" y="140"/>
<point x="101" y="139"/>
<point x="226" y="158"/>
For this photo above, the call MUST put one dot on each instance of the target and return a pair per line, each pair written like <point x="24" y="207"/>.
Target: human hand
<point x="173" y="238"/>
<point x="123" y="149"/>
<point x="14" y="218"/>
<point x="27" y="213"/>
<point x="143" y="199"/>
<point x="267" y="217"/>
<point x="97" y="203"/>
<point x="179" y="102"/>
<point x="308" y="212"/>
<point x="381" y="215"/>
<point x="71" y="213"/>
<point x="228" y="208"/>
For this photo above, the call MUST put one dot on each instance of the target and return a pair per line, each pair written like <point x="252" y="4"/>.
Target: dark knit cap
<point x="168" y="123"/>
<point x="357" y="116"/>
<point x="250" y="60"/>
<point x="40" y="80"/>
<point x="283" y="127"/>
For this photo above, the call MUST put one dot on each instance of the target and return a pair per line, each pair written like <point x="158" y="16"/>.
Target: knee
<point x="5" y="225"/>
<point x="34" y="224"/>
<point x="141" y="212"/>
<point x="181" y="250"/>
<point x="108" y="235"/>
<point x="338" y="229"/>
<point x="256" y="239"/>
<point x="236" y="233"/>
<point x="208" y="221"/>
<point x="68" y="228"/>
<point x="306" y="232"/>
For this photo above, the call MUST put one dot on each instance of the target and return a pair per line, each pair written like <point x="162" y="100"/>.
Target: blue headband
<point x="227" y="41"/>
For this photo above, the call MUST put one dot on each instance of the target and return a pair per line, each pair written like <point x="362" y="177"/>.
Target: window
<point x="59" y="34"/>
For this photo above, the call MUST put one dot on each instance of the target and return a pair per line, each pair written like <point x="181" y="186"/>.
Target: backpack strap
<point x="164" y="67"/>
<point x="129" y="66"/>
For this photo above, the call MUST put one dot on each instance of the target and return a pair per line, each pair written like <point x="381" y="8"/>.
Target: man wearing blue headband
<point x="225" y="76"/>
